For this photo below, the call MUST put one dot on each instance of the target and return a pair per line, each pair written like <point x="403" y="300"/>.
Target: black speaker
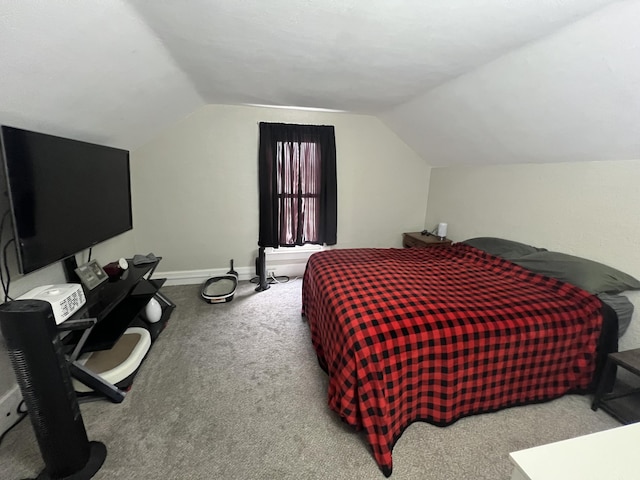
<point x="37" y="357"/>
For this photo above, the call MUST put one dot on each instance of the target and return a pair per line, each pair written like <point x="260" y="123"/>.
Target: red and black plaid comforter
<point x="435" y="334"/>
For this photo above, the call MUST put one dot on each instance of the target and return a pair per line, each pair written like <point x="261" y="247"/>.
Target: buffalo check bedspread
<point x="436" y="334"/>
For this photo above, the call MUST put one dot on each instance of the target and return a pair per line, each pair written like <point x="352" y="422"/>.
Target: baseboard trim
<point x="195" y="277"/>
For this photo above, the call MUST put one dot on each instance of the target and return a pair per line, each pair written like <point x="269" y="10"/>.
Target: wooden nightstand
<point x="418" y="240"/>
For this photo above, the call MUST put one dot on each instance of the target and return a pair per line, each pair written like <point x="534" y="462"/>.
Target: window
<point x="298" y="192"/>
<point x="297" y="180"/>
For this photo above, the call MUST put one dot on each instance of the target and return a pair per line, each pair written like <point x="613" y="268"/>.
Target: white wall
<point x="585" y="209"/>
<point x="571" y="96"/>
<point x="195" y="187"/>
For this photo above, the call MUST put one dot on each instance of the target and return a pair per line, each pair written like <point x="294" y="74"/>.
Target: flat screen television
<point x="64" y="195"/>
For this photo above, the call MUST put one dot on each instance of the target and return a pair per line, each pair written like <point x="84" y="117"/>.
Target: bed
<point x="436" y="334"/>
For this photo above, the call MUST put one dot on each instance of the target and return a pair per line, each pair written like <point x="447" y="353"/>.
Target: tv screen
<point x="65" y="195"/>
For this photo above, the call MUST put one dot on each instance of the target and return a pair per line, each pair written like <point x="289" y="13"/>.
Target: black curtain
<point x="297" y="182"/>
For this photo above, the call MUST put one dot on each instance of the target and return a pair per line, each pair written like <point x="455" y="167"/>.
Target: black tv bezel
<point x="30" y="267"/>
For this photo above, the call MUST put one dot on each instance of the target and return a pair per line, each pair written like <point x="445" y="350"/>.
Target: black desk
<point x="109" y="310"/>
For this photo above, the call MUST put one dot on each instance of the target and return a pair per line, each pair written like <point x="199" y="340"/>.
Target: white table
<point x="607" y="455"/>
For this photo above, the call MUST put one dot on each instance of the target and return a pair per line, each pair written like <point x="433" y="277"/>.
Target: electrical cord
<point x="429" y="232"/>
<point x="23" y="414"/>
<point x="5" y="287"/>
<point x="4" y="219"/>
<point x="275" y="279"/>
<point x="4" y="269"/>
<point x="272" y="279"/>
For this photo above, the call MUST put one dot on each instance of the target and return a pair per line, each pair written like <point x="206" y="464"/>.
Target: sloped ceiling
<point x="461" y="81"/>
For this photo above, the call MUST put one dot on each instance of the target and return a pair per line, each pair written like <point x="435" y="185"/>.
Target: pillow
<point x="507" y="249"/>
<point x="623" y="308"/>
<point x="588" y="275"/>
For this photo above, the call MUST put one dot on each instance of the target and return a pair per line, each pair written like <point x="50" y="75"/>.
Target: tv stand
<point x="110" y="309"/>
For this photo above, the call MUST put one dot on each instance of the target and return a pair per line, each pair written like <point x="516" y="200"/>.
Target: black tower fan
<point x="35" y="350"/>
<point x="261" y="271"/>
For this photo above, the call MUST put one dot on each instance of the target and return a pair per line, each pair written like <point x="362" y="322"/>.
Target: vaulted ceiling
<point x="460" y="81"/>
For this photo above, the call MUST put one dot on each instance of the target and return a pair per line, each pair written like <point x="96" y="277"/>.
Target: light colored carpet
<point x="234" y="391"/>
